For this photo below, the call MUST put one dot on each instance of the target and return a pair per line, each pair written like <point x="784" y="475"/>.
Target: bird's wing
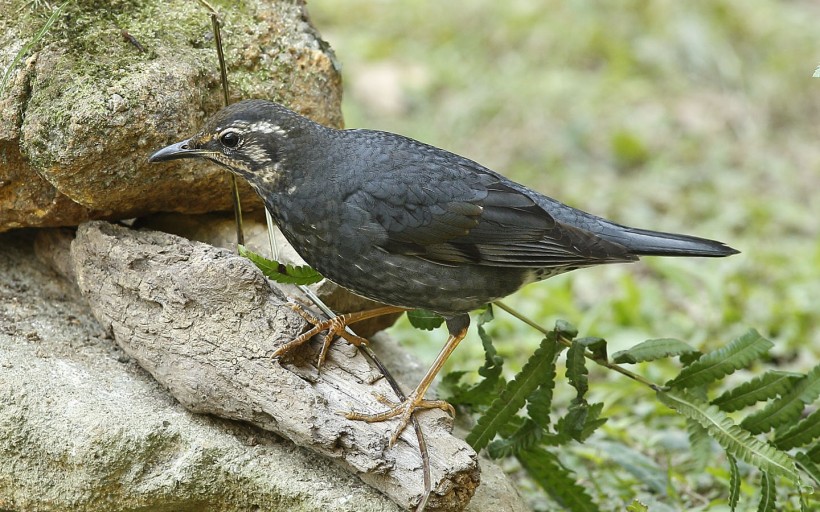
<point x="463" y="213"/>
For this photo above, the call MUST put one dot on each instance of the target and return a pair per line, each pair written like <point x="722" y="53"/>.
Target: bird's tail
<point x="643" y="242"/>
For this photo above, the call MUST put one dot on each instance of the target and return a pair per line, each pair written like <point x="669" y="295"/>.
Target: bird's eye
<point x="229" y="139"/>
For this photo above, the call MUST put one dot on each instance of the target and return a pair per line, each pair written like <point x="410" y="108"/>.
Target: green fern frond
<point x="581" y="420"/>
<point x="760" y="389"/>
<point x="788" y="407"/>
<point x="637" y="506"/>
<point x="577" y="368"/>
<point x="424" y="319"/>
<point x="527" y="436"/>
<point x="733" y="439"/>
<point x="279" y="272"/>
<point x="700" y="442"/>
<point x="650" y="350"/>
<point x="723" y="361"/>
<point x="548" y="472"/>
<point x="809" y="466"/>
<point x="802" y="433"/>
<point x="483" y="392"/>
<point x="734" y="482"/>
<point x="512" y="398"/>
<point x="768" y="494"/>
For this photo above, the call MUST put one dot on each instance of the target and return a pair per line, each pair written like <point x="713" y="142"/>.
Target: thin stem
<point x="568" y="343"/>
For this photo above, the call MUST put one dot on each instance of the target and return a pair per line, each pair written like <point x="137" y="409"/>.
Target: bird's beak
<point x="174" y="152"/>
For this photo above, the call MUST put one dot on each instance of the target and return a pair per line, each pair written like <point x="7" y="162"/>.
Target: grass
<point x="680" y="116"/>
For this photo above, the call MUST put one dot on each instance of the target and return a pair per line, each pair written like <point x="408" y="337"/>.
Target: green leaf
<point x="485" y="391"/>
<point x="760" y="389"/>
<point x="424" y="319"/>
<point x="723" y="361"/>
<point x="281" y="273"/>
<point x="701" y="444"/>
<point x="809" y="466"/>
<point x="524" y="438"/>
<point x="802" y="433"/>
<point x="651" y="350"/>
<point x="637" y="506"/>
<point x="515" y="394"/>
<point x="577" y="369"/>
<point x="539" y="403"/>
<point x="581" y="420"/>
<point x="565" y="330"/>
<point x="558" y="482"/>
<point x="768" y="493"/>
<point x="734" y="482"/>
<point x="788" y="407"/>
<point x="596" y="347"/>
<point x="733" y="439"/>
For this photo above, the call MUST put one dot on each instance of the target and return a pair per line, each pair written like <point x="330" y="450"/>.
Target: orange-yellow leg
<point x="404" y="410"/>
<point x="334" y="326"/>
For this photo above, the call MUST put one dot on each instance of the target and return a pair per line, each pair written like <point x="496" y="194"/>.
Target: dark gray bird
<point x="408" y="224"/>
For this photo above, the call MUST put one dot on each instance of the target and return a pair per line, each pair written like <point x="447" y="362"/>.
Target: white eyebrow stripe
<point x="267" y="127"/>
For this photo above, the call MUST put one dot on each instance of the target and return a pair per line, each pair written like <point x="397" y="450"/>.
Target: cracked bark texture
<point x="204" y="321"/>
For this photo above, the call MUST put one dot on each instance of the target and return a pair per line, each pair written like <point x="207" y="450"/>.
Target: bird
<point x="410" y="225"/>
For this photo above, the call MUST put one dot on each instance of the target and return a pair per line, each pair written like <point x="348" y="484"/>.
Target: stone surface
<point x="85" y="107"/>
<point x="204" y="322"/>
<point x="219" y="229"/>
<point x="83" y="427"/>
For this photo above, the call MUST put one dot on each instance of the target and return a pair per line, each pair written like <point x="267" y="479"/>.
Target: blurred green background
<point x="693" y="117"/>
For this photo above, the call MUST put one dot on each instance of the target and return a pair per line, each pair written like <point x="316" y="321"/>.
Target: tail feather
<point x="640" y="242"/>
<point x="643" y="242"/>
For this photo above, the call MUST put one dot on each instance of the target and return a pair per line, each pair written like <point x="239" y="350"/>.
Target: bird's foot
<point x="335" y="327"/>
<point x="403" y="410"/>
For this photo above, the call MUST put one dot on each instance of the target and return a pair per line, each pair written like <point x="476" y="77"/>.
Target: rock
<point x="82" y="426"/>
<point x="82" y="112"/>
<point x="204" y="322"/>
<point x="219" y="230"/>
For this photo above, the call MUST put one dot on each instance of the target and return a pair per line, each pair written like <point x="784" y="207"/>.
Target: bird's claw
<point x="335" y="327"/>
<point x="403" y="410"/>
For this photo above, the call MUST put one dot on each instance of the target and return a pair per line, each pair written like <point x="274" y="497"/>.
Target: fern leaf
<point x="788" y="407"/>
<point x="802" y="433"/>
<point x="424" y="319"/>
<point x="637" y="506"/>
<point x="596" y="347"/>
<point x="558" y="482"/>
<point x="768" y="493"/>
<point x="279" y="272"/>
<point x="733" y="439"/>
<point x="809" y="466"/>
<point x="577" y="368"/>
<point x="514" y="395"/>
<point x="650" y="350"/>
<point x="489" y="387"/>
<point x="734" y="482"/>
<point x="700" y="442"/>
<point x="527" y="435"/>
<point x="723" y="361"/>
<point x="539" y="403"/>
<point x="760" y="389"/>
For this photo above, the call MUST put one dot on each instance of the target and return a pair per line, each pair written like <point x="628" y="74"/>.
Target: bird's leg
<point x="457" y="327"/>
<point x="334" y="326"/>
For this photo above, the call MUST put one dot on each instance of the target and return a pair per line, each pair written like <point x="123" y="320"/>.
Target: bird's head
<point x="248" y="137"/>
